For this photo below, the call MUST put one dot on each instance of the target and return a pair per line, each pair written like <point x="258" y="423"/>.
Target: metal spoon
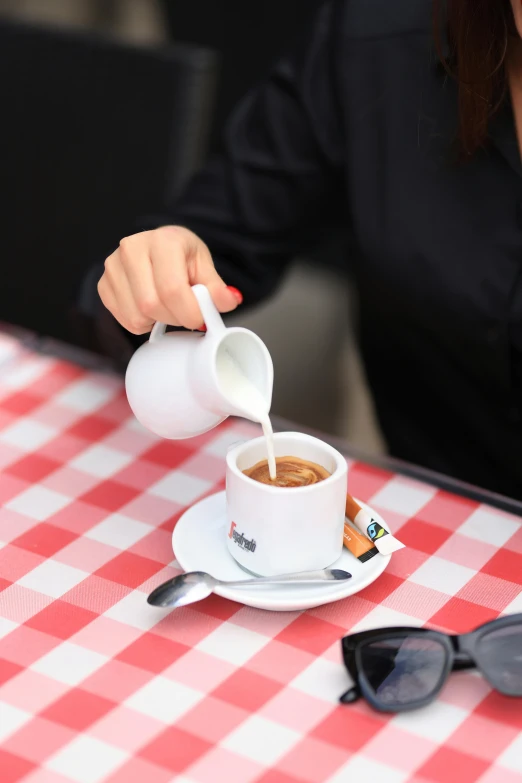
<point x="196" y="585"/>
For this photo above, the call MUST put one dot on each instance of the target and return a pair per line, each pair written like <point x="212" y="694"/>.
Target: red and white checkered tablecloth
<point x="95" y="685"/>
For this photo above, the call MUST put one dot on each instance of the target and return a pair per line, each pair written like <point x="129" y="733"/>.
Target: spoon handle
<point x="303" y="577"/>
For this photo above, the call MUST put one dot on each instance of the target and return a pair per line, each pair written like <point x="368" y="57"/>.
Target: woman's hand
<point x="149" y="278"/>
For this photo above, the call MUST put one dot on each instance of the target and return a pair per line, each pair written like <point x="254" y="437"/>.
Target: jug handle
<point x="211" y="315"/>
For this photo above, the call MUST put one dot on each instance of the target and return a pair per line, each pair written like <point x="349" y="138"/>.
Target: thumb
<point x="226" y="298"/>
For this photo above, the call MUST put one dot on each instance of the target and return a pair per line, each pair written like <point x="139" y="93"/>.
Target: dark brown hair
<point x="478" y="33"/>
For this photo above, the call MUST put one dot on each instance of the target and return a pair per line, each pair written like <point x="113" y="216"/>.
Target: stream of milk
<point x="244" y="395"/>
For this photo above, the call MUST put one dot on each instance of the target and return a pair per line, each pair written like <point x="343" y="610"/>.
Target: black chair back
<point x="93" y="134"/>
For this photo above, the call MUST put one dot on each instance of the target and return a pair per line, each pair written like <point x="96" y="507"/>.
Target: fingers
<point x="150" y="278"/>
<point x="137" y="268"/>
<point x="180" y="250"/>
<point x="202" y="270"/>
<point x="171" y="278"/>
<point x="116" y="295"/>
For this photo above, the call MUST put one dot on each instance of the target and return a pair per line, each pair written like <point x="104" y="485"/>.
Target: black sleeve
<point x="270" y="193"/>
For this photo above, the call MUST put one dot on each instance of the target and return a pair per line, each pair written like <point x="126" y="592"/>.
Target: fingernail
<point x="203" y="328"/>
<point x="237" y="294"/>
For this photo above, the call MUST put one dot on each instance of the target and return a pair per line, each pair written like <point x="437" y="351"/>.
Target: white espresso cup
<point x="281" y="530"/>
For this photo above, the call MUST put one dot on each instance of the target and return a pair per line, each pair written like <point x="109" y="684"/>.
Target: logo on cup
<point x="240" y="540"/>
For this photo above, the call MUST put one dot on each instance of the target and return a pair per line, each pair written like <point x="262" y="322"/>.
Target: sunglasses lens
<point x="499" y="655"/>
<point x="403" y="671"/>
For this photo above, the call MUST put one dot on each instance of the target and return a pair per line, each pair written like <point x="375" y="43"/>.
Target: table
<point x="96" y="686"/>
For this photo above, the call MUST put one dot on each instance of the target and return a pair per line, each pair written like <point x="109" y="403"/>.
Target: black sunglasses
<point x="398" y="669"/>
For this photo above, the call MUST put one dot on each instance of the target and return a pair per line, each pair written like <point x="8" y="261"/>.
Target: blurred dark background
<point x="108" y="106"/>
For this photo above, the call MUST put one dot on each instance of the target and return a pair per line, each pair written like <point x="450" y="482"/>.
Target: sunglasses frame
<point x="462" y="652"/>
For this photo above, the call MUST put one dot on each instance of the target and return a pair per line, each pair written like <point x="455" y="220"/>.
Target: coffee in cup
<point x="291" y="472"/>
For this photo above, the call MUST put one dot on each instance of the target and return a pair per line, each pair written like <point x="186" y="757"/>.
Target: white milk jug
<point x="181" y="384"/>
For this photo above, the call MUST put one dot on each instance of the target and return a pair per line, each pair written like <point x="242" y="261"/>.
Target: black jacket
<point x="357" y="124"/>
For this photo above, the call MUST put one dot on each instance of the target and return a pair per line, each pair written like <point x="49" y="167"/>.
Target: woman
<point x="403" y="123"/>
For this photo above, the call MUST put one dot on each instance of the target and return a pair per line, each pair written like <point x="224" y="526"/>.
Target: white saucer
<point x="199" y="544"/>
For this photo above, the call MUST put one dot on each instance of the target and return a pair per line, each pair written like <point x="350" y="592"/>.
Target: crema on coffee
<point x="291" y="472"/>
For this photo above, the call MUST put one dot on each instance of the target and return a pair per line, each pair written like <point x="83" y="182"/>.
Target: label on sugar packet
<point x="375" y="531"/>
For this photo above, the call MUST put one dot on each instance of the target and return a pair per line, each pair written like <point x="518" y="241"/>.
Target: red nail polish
<point x="203" y="328"/>
<point x="237" y="294"/>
